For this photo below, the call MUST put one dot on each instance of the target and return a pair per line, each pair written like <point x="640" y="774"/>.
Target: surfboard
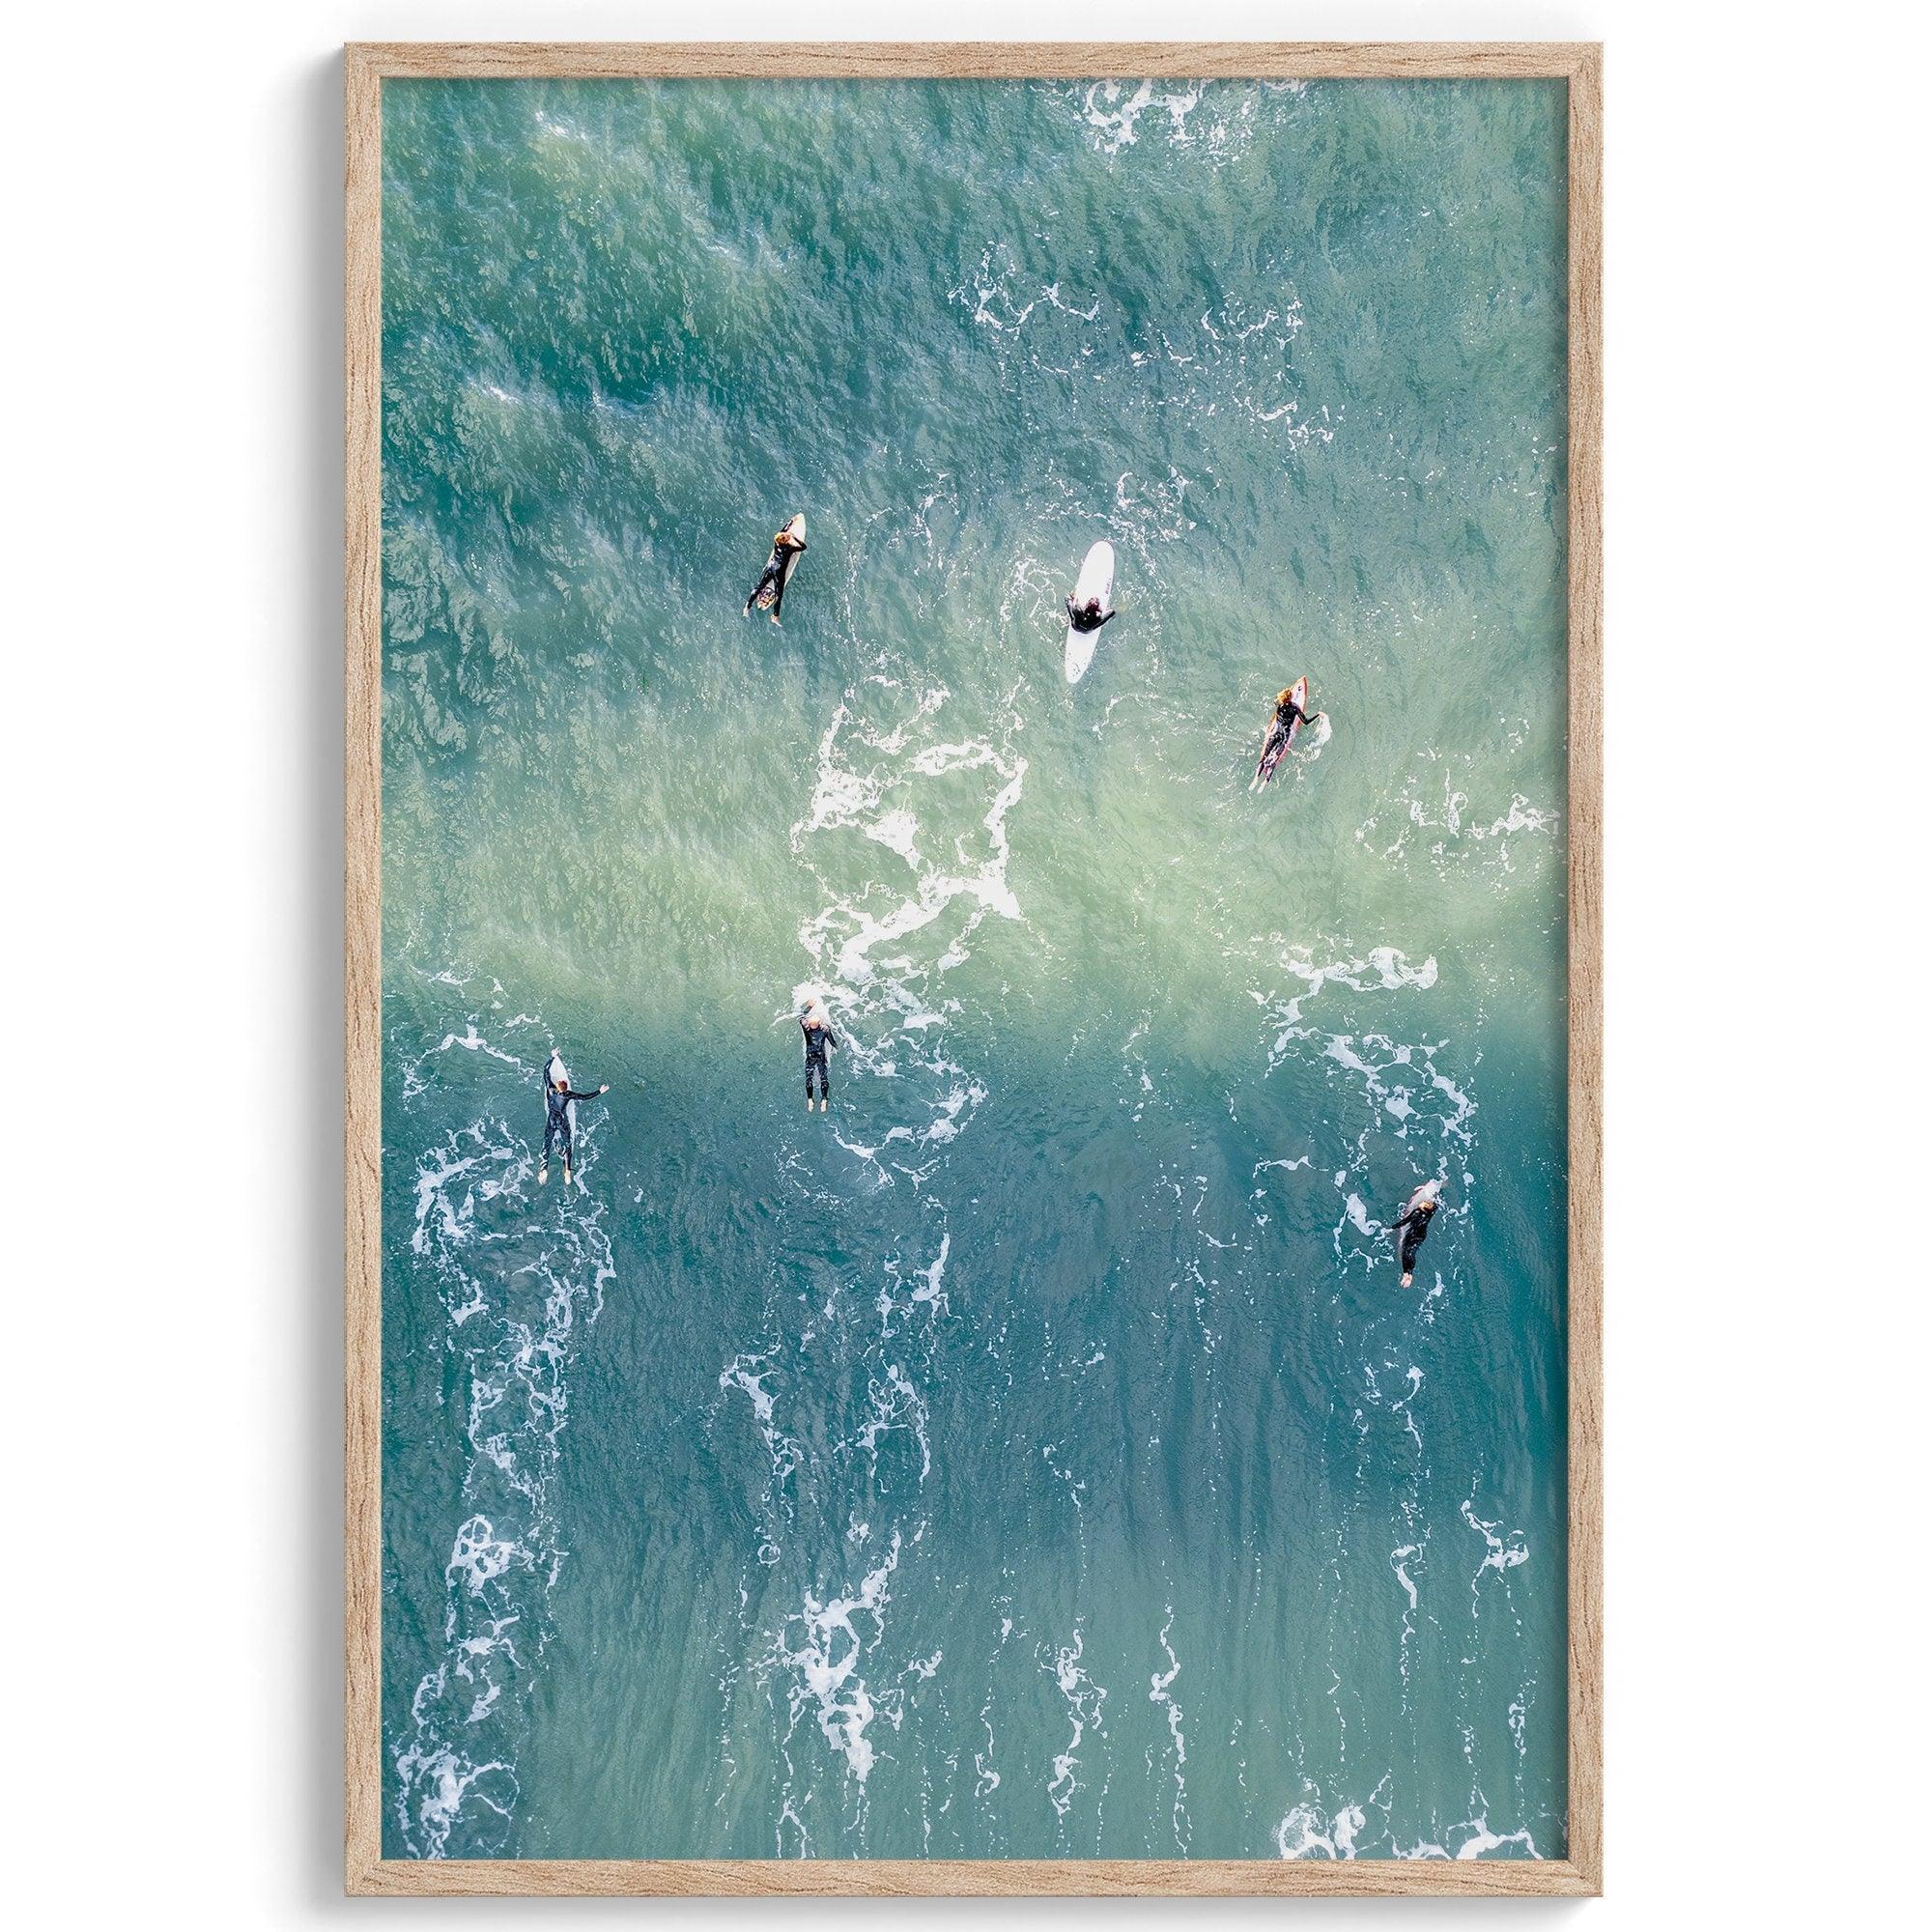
<point x="1096" y="580"/>
<point x="557" y="1070"/>
<point x="769" y="595"/>
<point x="1427" y="1191"/>
<point x="1265" y="770"/>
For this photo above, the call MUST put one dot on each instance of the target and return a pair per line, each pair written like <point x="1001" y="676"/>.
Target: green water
<point x="1035" y="1455"/>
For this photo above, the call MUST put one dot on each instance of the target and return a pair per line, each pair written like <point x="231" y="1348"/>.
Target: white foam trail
<point x="826" y="1662"/>
<point x="738" y="1376"/>
<point x="1397" y="1558"/>
<point x="1307" y="1831"/>
<point x="989" y="286"/>
<point x="1116" y="118"/>
<point x="748" y="1373"/>
<point x="1388" y="964"/>
<point x="1161" y="1693"/>
<point x="897" y="1405"/>
<point x="1502" y="1554"/>
<point x="928" y="1293"/>
<point x="1084" y="1699"/>
<point x="935" y="1276"/>
<point x="515" y="1292"/>
<point x="1482" y="1840"/>
<point x="1449" y="816"/>
<point x="1521" y="816"/>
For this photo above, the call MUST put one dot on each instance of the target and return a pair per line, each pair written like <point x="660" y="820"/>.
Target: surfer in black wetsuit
<point x="1413" y="1227"/>
<point x="558" y="1093"/>
<point x="1287" y="716"/>
<point x="785" y="547"/>
<point x="819" y="1040"/>
<point x="1088" y="616"/>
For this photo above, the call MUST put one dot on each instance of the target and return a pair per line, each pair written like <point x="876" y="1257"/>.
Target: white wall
<point x="173" y="776"/>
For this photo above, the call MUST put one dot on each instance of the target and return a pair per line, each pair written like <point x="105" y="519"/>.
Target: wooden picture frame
<point x="366" y="67"/>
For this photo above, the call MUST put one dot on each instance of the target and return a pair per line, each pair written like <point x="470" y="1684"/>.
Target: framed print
<point x="974" y="969"/>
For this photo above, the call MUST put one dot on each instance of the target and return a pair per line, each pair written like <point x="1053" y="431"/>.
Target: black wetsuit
<point x="785" y="547"/>
<point x="1413" y="1227"/>
<point x="1286" y="717"/>
<point x="817" y="1039"/>
<point x="557" y="1118"/>
<point x="1082" y="619"/>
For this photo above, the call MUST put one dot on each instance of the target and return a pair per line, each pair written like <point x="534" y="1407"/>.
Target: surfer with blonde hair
<point x="1291" y="714"/>
<point x="787" y="547"/>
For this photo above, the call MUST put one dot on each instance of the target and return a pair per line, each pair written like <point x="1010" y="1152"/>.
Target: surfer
<point x="1088" y="616"/>
<point x="1288" y="717"/>
<point x="558" y="1093"/>
<point x="1090" y="607"/>
<point x="819" y="1040"/>
<point x="1412" y="1225"/>
<point x="768" y="593"/>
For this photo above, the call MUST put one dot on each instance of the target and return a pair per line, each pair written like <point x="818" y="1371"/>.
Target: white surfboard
<point x="1427" y="1191"/>
<point x="1096" y="580"/>
<point x="557" y="1070"/>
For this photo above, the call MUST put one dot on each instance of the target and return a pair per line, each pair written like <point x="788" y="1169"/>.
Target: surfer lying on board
<point x="769" y="592"/>
<point x="1412" y="1225"/>
<point x="1089" y="616"/>
<point x="558" y="1093"/>
<point x="819" y="1040"/>
<point x="1288" y="717"/>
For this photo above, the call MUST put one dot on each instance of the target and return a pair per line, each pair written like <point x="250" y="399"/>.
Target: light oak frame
<point x="366" y="67"/>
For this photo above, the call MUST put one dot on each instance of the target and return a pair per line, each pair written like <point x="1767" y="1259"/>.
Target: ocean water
<point x="1035" y="1456"/>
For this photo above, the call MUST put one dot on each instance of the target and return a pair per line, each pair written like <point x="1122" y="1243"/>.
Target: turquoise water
<point x="1035" y="1455"/>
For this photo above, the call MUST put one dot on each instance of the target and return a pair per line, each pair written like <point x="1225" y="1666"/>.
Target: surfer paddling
<point x="1291" y="714"/>
<point x="1088" y="616"/>
<point x="558" y="1124"/>
<point x="787" y="547"/>
<point x="819" y="1040"/>
<point x="1412" y="1226"/>
<point x="1089" y="608"/>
